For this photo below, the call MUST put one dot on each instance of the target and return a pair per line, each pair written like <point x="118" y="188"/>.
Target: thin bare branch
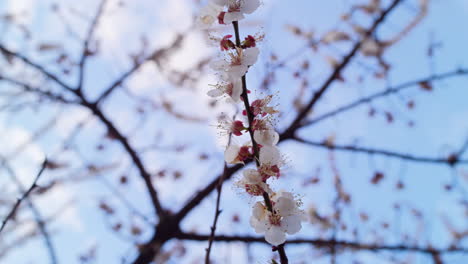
<point x="198" y="197"/>
<point x="296" y="124"/>
<point x="86" y="50"/>
<point x="36" y="66"/>
<point x="387" y="153"/>
<point x="41" y="223"/>
<point x="24" y="196"/>
<point x="388" y="91"/>
<point x="154" y="56"/>
<point x="217" y="213"/>
<point x="325" y="243"/>
<point x="159" y="210"/>
<point x="47" y="94"/>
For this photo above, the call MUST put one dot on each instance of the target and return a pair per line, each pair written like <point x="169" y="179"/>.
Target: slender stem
<point x="250" y="117"/>
<point x="23" y="197"/>
<point x="245" y="99"/>
<point x="86" y="52"/>
<point x="40" y="221"/>
<point x="217" y="213"/>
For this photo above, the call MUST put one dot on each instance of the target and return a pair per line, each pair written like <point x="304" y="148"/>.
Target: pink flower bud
<point x="249" y="42"/>
<point x="221" y="18"/>
<point x="237" y="127"/>
<point x="226" y="43"/>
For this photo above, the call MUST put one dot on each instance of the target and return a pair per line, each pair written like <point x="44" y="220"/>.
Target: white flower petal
<point x="231" y="153"/>
<point x="291" y="224"/>
<point x="250" y="56"/>
<point x="285" y="206"/>
<point x="285" y="194"/>
<point x="237" y="71"/>
<point x="208" y="15"/>
<point x="266" y="137"/>
<point x="220" y="2"/>
<point x="269" y="155"/>
<point x="275" y="236"/>
<point x="252" y="176"/>
<point x="249" y="6"/>
<point x="236" y="90"/>
<point x="215" y="93"/>
<point x="259" y="226"/>
<point x="230" y="17"/>
<point x="265" y="187"/>
<point x="259" y="211"/>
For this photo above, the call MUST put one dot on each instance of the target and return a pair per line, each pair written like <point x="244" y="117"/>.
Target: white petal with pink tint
<point x="232" y="16"/>
<point x="250" y="56"/>
<point x="249" y="6"/>
<point x="291" y="224"/>
<point x="266" y="137"/>
<point x="231" y="153"/>
<point x="275" y="236"/>
<point x="208" y="15"/>
<point x="220" y="2"/>
<point x="270" y="155"/>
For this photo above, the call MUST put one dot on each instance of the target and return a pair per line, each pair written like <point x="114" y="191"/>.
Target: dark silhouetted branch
<point x="47" y="94"/>
<point x="198" y="197"/>
<point x="388" y="91"/>
<point x="159" y="210"/>
<point x="86" y="51"/>
<point x="35" y="211"/>
<point x="372" y="151"/>
<point x="324" y="243"/>
<point x="38" y="67"/>
<point x="155" y="56"/>
<point x="296" y="124"/>
<point x="23" y="197"/>
<point x="216" y="216"/>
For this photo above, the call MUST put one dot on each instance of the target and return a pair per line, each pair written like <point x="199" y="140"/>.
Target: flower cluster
<point x="278" y="213"/>
<point x="226" y="11"/>
<point x="286" y="218"/>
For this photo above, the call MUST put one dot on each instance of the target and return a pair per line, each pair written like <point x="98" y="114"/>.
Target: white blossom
<point x="283" y="215"/>
<point x="286" y="218"/>
<point x="269" y="155"/>
<point x="236" y="9"/>
<point x="231" y="126"/>
<point x="237" y="154"/>
<point x="252" y="183"/>
<point x="238" y="62"/>
<point x="268" y="137"/>
<point x="260" y="106"/>
<point x="232" y="87"/>
<point x="208" y="15"/>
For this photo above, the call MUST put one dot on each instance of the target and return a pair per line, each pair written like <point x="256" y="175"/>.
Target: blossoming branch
<point x="278" y="213"/>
